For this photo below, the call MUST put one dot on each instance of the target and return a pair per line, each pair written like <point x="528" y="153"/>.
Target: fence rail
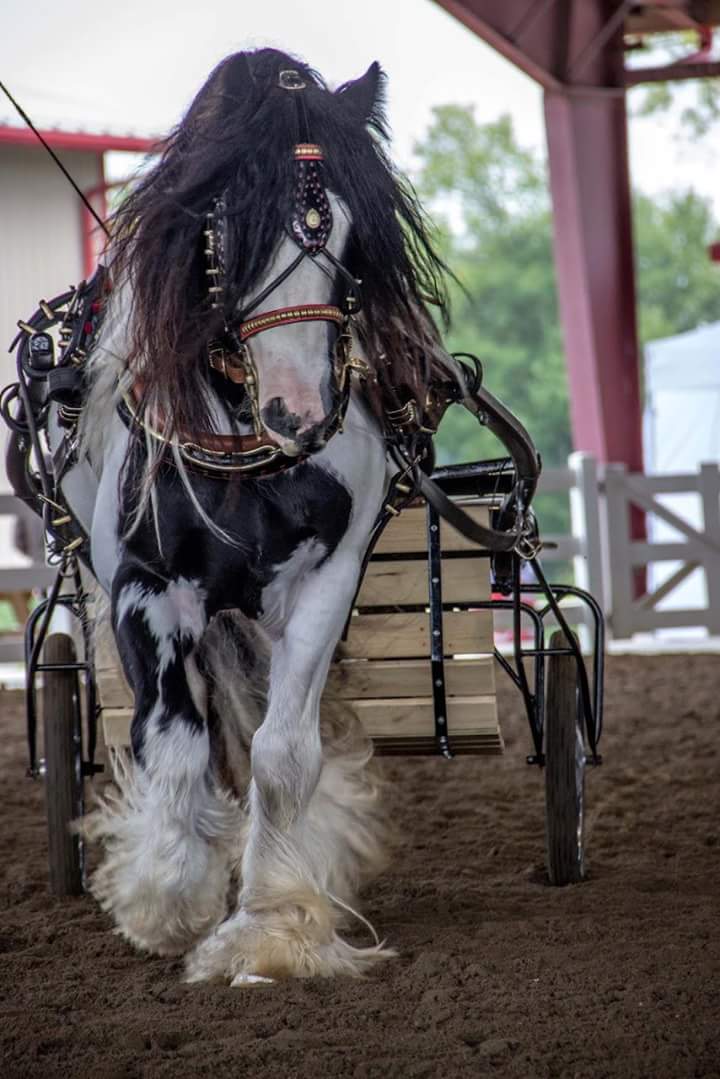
<point x="697" y="549"/>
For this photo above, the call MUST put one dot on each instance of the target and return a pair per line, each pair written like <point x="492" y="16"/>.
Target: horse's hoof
<point x="245" y="980"/>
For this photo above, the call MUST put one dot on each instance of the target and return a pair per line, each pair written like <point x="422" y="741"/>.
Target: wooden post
<point x="709" y="487"/>
<point x="585" y="525"/>
<point x="618" y="538"/>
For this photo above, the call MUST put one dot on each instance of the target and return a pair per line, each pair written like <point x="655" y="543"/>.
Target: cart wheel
<point x="564" y="770"/>
<point x="63" y="766"/>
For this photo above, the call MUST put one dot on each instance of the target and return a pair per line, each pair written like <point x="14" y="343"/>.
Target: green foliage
<point x="490" y="198"/>
<point x="481" y="167"/>
<point x="702" y="96"/>
<point x="678" y="286"/>
<point x="697" y="118"/>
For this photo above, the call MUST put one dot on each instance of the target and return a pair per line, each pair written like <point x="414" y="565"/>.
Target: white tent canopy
<point x="682" y="393"/>
<point x="682" y="431"/>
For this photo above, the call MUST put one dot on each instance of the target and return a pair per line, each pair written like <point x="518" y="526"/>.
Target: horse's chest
<point x="279" y="530"/>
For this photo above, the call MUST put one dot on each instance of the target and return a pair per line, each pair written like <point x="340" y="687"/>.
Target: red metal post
<point x="587" y="147"/>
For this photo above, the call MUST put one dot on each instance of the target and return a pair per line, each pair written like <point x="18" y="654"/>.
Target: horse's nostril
<point x="276" y="416"/>
<point x="313" y="439"/>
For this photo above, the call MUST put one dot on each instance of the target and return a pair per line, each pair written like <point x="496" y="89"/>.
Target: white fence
<point x="694" y="546"/>
<point x="641" y="582"/>
<point x="605" y="557"/>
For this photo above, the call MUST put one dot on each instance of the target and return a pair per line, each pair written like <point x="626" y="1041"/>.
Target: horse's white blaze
<point x="293" y="360"/>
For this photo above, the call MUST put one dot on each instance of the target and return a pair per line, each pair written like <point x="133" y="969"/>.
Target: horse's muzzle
<point x="294" y="439"/>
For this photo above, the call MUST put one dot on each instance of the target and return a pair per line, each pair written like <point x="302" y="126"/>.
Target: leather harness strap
<point x="489" y="538"/>
<point x="207" y="440"/>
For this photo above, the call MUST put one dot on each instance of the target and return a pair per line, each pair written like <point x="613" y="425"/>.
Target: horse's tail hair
<point x="235" y="660"/>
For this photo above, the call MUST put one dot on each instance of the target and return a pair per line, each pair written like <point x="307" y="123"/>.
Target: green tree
<point x="697" y="100"/>
<point x="678" y="286"/>
<point x="490" y="200"/>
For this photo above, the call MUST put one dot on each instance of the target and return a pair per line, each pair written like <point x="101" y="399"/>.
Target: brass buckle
<point x="405" y="417"/>
<point x="345" y="362"/>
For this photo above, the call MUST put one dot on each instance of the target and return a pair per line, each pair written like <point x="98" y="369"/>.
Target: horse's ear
<point x="365" y="97"/>
<point x="236" y="77"/>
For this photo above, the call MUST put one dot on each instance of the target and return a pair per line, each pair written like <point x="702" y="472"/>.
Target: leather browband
<point x="306" y="312"/>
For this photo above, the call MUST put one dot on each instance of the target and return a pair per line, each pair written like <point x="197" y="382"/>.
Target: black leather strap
<point x="489" y="538"/>
<point x="512" y="516"/>
<point x="65" y="384"/>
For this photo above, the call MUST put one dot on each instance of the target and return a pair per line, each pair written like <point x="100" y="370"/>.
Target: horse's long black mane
<point x="237" y="138"/>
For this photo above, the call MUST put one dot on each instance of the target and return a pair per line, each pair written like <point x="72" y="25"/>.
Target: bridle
<point x="230" y="353"/>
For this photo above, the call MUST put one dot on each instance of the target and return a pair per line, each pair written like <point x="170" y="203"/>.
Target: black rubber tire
<point x="564" y="770"/>
<point x="63" y="767"/>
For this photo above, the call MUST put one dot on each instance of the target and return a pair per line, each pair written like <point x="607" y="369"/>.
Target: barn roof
<point x="558" y="42"/>
<point x="99" y="142"/>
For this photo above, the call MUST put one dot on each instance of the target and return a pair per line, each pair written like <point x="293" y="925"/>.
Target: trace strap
<point x="489" y="538"/>
<point x="520" y="535"/>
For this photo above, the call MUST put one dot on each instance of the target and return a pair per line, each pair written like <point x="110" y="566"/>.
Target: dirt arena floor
<point x="498" y="973"/>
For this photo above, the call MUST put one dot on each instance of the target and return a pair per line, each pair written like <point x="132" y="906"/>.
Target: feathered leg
<point x="168" y="829"/>
<point x="313" y="812"/>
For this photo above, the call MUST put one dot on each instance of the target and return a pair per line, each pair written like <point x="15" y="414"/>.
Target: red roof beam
<point x="507" y="28"/>
<point x="78" y="140"/>
<point x="707" y="69"/>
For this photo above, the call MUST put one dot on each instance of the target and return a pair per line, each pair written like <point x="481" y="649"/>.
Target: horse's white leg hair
<point x="168" y="830"/>
<point x="313" y="813"/>
<point x="235" y="653"/>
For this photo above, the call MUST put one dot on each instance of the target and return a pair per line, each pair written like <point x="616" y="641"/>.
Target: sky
<point x="134" y="65"/>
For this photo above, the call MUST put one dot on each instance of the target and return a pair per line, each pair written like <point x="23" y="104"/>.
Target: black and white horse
<point x="229" y="586"/>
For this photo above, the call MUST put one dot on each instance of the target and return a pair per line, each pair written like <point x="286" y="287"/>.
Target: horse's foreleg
<point x="166" y="833"/>
<point x="311" y="812"/>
